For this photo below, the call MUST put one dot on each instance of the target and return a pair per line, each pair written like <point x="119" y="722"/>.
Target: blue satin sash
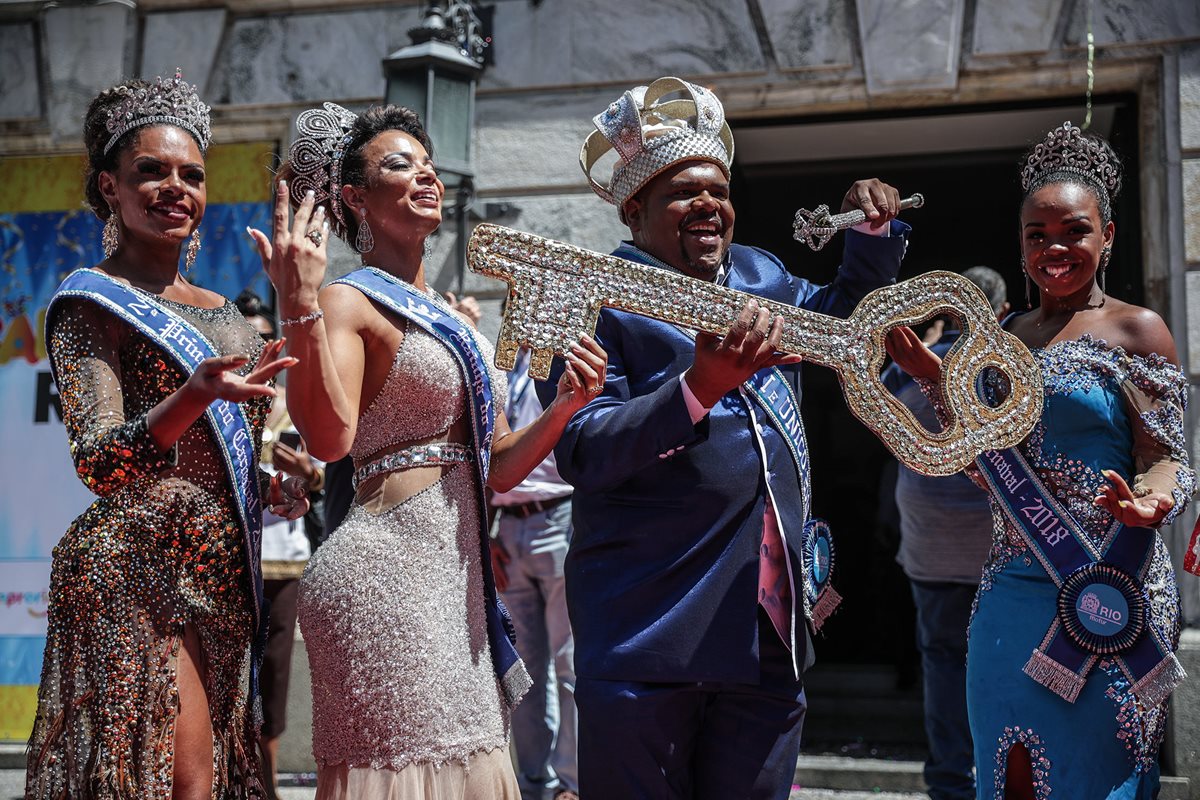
<point x="187" y="347"/>
<point x="406" y="302"/>
<point x="777" y="400"/>
<point x="1102" y="607"/>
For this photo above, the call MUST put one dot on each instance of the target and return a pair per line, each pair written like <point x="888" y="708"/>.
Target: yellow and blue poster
<point x="45" y="233"/>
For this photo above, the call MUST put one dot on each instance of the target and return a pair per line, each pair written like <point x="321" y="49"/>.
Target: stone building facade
<point x="904" y="69"/>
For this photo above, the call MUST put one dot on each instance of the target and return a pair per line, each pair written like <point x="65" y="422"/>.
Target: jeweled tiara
<point x="1066" y="149"/>
<point x="316" y="157"/>
<point x="170" y="102"/>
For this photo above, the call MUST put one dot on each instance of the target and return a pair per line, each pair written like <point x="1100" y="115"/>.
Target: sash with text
<point x="1102" y="606"/>
<point x="406" y="302"/>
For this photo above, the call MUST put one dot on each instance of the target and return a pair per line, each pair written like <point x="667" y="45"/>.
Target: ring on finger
<point x="315" y="236"/>
<point x="597" y="389"/>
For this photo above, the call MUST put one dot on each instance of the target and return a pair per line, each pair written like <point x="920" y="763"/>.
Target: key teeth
<point x="506" y="354"/>
<point x="540" y="360"/>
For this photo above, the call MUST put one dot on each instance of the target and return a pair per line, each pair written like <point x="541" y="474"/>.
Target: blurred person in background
<point x="286" y="546"/>
<point x="945" y="535"/>
<point x="531" y="535"/>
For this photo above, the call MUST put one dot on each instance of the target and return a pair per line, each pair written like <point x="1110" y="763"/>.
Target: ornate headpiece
<point x="170" y="102"/>
<point x="316" y="157"/>
<point x="1066" y="149"/>
<point x="650" y="136"/>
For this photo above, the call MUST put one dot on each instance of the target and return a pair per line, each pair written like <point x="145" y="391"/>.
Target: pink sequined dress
<point x="405" y="699"/>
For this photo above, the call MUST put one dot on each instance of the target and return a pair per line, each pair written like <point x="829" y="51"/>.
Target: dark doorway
<point x="970" y="217"/>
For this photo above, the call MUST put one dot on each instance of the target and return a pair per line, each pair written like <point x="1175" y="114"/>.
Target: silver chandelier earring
<point x="193" y="249"/>
<point x="364" y="242"/>
<point x="1028" y="287"/>
<point x="110" y="236"/>
<point x="1105" y="257"/>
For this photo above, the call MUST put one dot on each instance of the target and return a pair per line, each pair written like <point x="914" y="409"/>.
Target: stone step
<point x="843" y="777"/>
<point x="12" y="755"/>
<point x="849" y="703"/>
<point x="834" y="794"/>
<point x="860" y="774"/>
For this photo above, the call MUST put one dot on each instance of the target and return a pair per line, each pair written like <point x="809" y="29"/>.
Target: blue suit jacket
<point x="662" y="574"/>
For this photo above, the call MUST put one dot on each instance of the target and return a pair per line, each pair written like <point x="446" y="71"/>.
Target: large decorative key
<point x="556" y="292"/>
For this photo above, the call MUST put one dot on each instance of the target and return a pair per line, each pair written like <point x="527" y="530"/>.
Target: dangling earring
<point x="192" y="249"/>
<point x="427" y="249"/>
<point x="1105" y="257"/>
<point x="364" y="242"/>
<point x="110" y="236"/>
<point x="1028" y="287"/>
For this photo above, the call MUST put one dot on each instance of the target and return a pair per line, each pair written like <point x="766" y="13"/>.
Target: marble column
<point x="86" y="52"/>
<point x="910" y="45"/>
<point x="19" y="84"/>
<point x="1015" y="26"/>
<point x="187" y="40"/>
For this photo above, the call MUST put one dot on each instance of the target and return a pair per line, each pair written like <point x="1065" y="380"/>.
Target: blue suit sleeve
<point x="617" y="434"/>
<point x="868" y="262"/>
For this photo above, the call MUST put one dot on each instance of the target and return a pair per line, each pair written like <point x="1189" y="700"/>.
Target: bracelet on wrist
<point x="311" y="316"/>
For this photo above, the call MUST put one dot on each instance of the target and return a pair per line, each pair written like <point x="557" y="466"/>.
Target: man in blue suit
<point x="685" y="581"/>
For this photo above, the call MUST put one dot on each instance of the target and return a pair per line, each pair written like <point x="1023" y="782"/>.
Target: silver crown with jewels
<point x="316" y="157"/>
<point x="650" y="134"/>
<point x="1066" y="149"/>
<point x="165" y="102"/>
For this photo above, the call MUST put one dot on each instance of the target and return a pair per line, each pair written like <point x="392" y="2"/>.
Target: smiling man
<point x="684" y="579"/>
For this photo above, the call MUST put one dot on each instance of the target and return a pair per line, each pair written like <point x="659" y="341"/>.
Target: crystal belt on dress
<point x="422" y="455"/>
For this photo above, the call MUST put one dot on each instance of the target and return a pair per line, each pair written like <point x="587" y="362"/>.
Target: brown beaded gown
<point x="161" y="549"/>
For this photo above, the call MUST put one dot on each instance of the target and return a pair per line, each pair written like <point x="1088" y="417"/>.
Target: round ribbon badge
<point x="818" y="554"/>
<point x="1102" y="609"/>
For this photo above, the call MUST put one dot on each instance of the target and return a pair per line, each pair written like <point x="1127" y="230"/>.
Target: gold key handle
<point x="556" y="292"/>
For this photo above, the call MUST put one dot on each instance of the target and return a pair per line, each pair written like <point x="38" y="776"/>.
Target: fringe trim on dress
<point x="826" y="604"/>
<point x="515" y="683"/>
<point x="1065" y="683"/>
<point x="1159" y="682"/>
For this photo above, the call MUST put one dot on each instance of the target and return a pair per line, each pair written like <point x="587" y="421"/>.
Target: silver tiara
<point x="650" y="136"/>
<point x="169" y="102"/>
<point x="1066" y="149"/>
<point x="316" y="157"/>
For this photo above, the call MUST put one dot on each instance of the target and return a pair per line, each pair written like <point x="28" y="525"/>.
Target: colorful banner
<point x="45" y="233"/>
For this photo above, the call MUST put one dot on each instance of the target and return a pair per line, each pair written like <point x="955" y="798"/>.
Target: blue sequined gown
<point x="1104" y="409"/>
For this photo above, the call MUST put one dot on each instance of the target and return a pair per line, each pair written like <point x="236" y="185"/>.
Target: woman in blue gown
<point x="1109" y="446"/>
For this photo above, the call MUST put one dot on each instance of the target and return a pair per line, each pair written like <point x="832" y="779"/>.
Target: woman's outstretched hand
<point x="1118" y="499"/>
<point x="295" y="257"/>
<point x="215" y="378"/>
<point x="288" y="497"/>
<point x="912" y="354"/>
<point x="583" y="379"/>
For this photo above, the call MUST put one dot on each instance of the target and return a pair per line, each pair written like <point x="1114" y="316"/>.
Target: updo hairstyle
<point x="368" y="125"/>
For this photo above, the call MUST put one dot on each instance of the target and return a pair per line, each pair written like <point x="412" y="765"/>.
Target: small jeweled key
<point x="556" y="291"/>
<point x="816" y="228"/>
